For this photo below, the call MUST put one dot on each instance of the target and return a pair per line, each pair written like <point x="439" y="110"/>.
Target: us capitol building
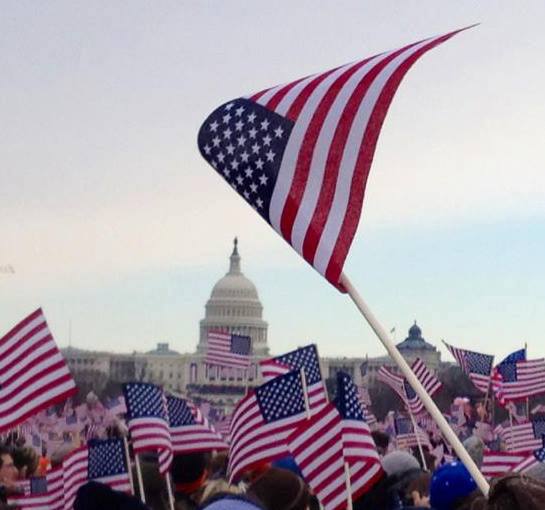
<point x="234" y="306"/>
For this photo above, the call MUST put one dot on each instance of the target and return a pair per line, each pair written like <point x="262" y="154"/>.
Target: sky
<point x="113" y="223"/>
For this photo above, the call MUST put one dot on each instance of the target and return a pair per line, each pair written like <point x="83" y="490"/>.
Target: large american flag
<point x="498" y="463"/>
<point x="317" y="447"/>
<point x="189" y="430"/>
<point x="520" y="379"/>
<point x="51" y="498"/>
<point x="228" y="349"/>
<point x="147" y="419"/>
<point x="263" y="420"/>
<point x="103" y="461"/>
<point x="405" y="391"/>
<point x="33" y="372"/>
<point x="305" y="358"/>
<point x="300" y="153"/>
<point x="477" y="366"/>
<point x="524" y="437"/>
<point x="359" y="449"/>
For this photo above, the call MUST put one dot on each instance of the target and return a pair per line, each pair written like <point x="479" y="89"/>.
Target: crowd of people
<point x="200" y="481"/>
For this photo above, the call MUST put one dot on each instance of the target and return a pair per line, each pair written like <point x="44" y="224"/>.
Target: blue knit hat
<point x="231" y="502"/>
<point x="449" y="484"/>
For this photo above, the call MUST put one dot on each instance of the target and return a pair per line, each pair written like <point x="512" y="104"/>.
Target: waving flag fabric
<point x="407" y="436"/>
<point x="300" y="153"/>
<point x="358" y="446"/>
<point x="223" y="427"/>
<point x="477" y="366"/>
<point x="147" y="419"/>
<point x="306" y="358"/>
<point x="189" y="430"/>
<point x="33" y="372"/>
<point x="524" y="437"/>
<point x="317" y="447"/>
<point x="498" y="463"/>
<point x="405" y="391"/>
<point x="103" y="461"/>
<point x="51" y="498"/>
<point x="228" y="349"/>
<point x="263" y="420"/>
<point x="520" y="379"/>
<point x="536" y="458"/>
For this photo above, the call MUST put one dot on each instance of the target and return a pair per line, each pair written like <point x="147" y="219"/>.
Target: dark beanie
<point x="188" y="468"/>
<point x="280" y="489"/>
<point x="97" y="496"/>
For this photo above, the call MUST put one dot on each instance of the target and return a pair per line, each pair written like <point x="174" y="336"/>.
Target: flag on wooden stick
<point x="477" y="366"/>
<point x="263" y="420"/>
<point x="147" y="419"/>
<point x="317" y="447"/>
<point x="305" y="358"/>
<point x="189" y="430"/>
<point x="33" y="372"/>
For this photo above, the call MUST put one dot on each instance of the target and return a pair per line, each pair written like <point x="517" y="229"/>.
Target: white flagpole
<point x="129" y="467"/>
<point x="139" y="476"/>
<point x="304" y="382"/>
<point x="429" y="404"/>
<point x="417" y="436"/>
<point x="168" y="481"/>
<point x="348" y="485"/>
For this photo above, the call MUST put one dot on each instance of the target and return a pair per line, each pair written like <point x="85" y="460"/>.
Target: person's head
<point x="419" y="490"/>
<point x="280" y="489"/>
<point x="218" y="465"/>
<point x="60" y="453"/>
<point x="214" y="487"/>
<point x="475" y="447"/>
<point x="399" y="462"/>
<point x="450" y="485"/>
<point x="382" y="440"/>
<point x="231" y="502"/>
<point x="189" y="472"/>
<point x="26" y="461"/>
<point x="289" y="464"/>
<point x="97" y="496"/>
<point x="8" y="471"/>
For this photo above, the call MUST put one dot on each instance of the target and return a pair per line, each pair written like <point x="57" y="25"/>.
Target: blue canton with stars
<point x="245" y="144"/>
<point x="106" y="458"/>
<point x="403" y="426"/>
<point x="282" y="397"/>
<point x="241" y="344"/>
<point x="478" y="363"/>
<point x="144" y="400"/>
<point x="347" y="399"/>
<point x="539" y="428"/>
<point x="508" y="371"/>
<point x="411" y="394"/>
<point x="519" y="355"/>
<point x="305" y="358"/>
<point x="179" y="413"/>
<point x="38" y="485"/>
<point x="508" y="367"/>
<point x="540" y="454"/>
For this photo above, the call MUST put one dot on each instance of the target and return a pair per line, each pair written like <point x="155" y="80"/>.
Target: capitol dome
<point x="234" y="306"/>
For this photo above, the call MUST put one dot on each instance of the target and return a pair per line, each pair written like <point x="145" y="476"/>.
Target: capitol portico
<point x="233" y="306"/>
